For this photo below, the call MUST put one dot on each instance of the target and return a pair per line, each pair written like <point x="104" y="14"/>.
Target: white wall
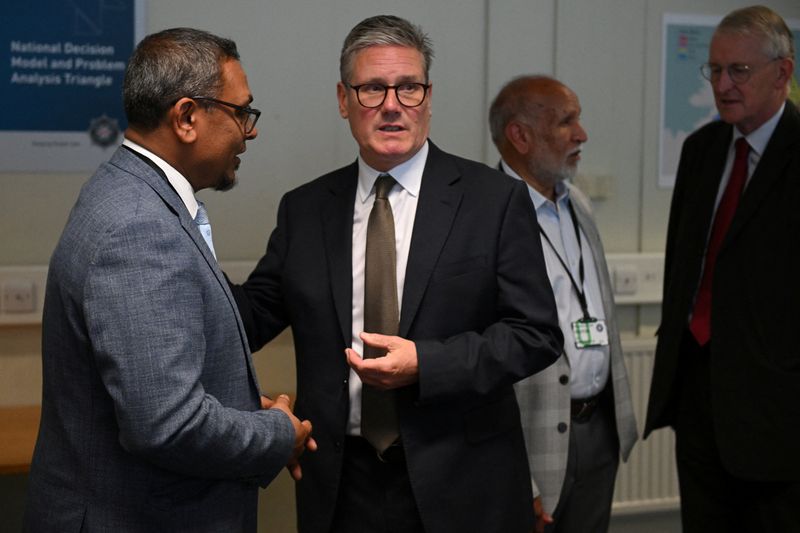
<point x="608" y="51"/>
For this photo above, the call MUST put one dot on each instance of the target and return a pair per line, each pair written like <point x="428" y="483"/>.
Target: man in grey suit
<point x="152" y="418"/>
<point x="577" y="414"/>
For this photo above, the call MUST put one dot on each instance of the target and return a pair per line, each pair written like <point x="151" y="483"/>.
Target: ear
<point x="785" y="71"/>
<point x="429" y="100"/>
<point x="341" y="95"/>
<point x="183" y="117"/>
<point x="519" y="136"/>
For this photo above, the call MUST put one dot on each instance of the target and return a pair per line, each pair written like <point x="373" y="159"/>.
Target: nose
<point x="390" y="103"/>
<point x="252" y="135"/>
<point x="580" y="133"/>
<point x="723" y="82"/>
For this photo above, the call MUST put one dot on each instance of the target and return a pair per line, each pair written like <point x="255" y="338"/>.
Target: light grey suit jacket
<point x="151" y="415"/>
<point x="544" y="400"/>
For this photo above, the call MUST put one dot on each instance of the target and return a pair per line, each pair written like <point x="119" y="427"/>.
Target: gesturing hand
<point x="398" y="368"/>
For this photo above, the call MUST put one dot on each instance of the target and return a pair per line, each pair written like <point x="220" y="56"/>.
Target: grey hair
<point x="383" y="30"/>
<point x="777" y="40"/>
<point x="171" y="64"/>
<point x="514" y="102"/>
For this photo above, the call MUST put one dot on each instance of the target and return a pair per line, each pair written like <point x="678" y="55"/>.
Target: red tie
<point x="700" y="325"/>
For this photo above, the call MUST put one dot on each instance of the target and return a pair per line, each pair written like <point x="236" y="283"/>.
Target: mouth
<point x="726" y="99"/>
<point x="391" y="128"/>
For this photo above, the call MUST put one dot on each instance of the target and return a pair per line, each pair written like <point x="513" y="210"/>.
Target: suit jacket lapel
<point x="589" y="229"/>
<point x="337" y="228"/>
<point x="702" y="197"/>
<point x="781" y="147"/>
<point x="147" y="171"/>
<point x="439" y="198"/>
<point x="151" y="174"/>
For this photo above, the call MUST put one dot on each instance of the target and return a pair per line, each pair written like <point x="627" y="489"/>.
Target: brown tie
<point x="700" y="325"/>
<point x="381" y="314"/>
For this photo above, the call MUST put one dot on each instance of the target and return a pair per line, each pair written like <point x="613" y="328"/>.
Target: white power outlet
<point x="19" y="296"/>
<point x="626" y="280"/>
<point x="637" y="277"/>
<point x="22" y="294"/>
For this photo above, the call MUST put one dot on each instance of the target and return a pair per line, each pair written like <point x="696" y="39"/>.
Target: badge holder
<point x="590" y="332"/>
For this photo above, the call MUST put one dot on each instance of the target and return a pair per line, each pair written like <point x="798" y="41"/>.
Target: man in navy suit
<point x="152" y="419"/>
<point x="476" y="314"/>
<point x="727" y="360"/>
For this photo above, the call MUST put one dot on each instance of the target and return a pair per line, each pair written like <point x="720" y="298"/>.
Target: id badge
<point x="590" y="332"/>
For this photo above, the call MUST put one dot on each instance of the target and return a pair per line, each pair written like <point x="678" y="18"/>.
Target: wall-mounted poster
<point x="61" y="75"/>
<point x="687" y="101"/>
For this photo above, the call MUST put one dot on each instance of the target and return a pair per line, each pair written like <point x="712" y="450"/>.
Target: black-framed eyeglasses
<point x="372" y="95"/>
<point x="246" y="115"/>
<point x="738" y="72"/>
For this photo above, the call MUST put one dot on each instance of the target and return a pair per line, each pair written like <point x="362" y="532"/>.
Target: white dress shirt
<point x="758" y="141"/>
<point x="403" y="198"/>
<point x="175" y="178"/>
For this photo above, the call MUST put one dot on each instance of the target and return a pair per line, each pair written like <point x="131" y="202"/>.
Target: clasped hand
<point x="398" y="368"/>
<point x="302" y="433"/>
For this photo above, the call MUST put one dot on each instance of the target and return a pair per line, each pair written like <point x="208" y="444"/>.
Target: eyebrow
<point x="381" y="81"/>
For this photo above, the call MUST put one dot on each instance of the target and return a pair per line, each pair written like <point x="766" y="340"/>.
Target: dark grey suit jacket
<point x="150" y="410"/>
<point x="476" y="301"/>
<point x="755" y="355"/>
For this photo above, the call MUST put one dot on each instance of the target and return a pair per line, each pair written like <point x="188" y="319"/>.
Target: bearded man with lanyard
<point x="579" y="407"/>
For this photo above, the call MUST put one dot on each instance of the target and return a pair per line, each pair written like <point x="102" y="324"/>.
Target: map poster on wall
<point x="61" y="75"/>
<point x="687" y="101"/>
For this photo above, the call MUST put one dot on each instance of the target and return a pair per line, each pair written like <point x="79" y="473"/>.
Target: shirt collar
<point x="175" y="178"/>
<point x="539" y="200"/>
<point x="408" y="174"/>
<point x="759" y="138"/>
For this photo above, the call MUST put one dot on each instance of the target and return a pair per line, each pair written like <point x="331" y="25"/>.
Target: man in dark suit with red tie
<point x="465" y="310"/>
<point x="727" y="363"/>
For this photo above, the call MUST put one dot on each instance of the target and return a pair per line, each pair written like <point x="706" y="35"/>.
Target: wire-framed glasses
<point x="738" y="72"/>
<point x="246" y="115"/>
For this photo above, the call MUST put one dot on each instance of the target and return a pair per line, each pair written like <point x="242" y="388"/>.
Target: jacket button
<point x="562" y="427"/>
<point x="563" y="379"/>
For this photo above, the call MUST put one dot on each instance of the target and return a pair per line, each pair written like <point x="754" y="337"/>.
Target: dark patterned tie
<point x="381" y="314"/>
<point x="700" y="325"/>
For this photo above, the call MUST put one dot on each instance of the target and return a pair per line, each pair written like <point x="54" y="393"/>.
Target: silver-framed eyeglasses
<point x="738" y="72"/>
<point x="372" y="95"/>
<point x="246" y="115"/>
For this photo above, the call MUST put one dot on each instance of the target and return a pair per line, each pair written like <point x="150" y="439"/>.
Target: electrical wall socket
<point x="22" y="294"/>
<point x="626" y="279"/>
<point x="19" y="296"/>
<point x="595" y="186"/>
<point x="638" y="278"/>
<point x="22" y="290"/>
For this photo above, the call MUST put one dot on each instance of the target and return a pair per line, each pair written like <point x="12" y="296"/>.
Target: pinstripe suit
<point x="544" y="398"/>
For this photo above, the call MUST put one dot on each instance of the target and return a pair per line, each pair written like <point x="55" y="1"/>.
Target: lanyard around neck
<point x="578" y="288"/>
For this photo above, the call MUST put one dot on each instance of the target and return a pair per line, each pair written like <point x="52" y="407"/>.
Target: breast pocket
<point x="458" y="268"/>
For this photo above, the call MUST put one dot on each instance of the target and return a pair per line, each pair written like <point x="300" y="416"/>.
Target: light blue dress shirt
<point x="589" y="367"/>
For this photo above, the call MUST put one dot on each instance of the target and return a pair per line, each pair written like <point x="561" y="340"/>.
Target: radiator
<point x="648" y="481"/>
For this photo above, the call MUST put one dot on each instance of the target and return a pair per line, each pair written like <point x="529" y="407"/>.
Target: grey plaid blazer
<point x="544" y="402"/>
